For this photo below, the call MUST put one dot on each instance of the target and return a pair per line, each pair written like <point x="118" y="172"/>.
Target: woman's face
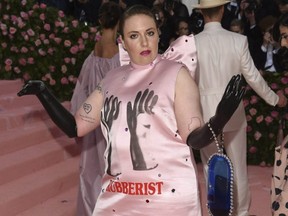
<point x="284" y="36"/>
<point x="141" y="39"/>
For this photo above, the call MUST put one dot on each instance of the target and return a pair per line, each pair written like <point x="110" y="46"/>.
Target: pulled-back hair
<point x="282" y="21"/>
<point x="109" y="15"/>
<point x="132" y="11"/>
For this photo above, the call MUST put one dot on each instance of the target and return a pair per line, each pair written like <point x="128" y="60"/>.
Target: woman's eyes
<point x="149" y="33"/>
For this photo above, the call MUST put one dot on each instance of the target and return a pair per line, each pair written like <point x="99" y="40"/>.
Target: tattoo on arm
<point x="98" y="87"/>
<point x="85" y="117"/>
<point x="192" y="122"/>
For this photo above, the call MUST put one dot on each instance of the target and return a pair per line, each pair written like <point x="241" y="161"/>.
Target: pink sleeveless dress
<point x="149" y="170"/>
<point x="93" y="144"/>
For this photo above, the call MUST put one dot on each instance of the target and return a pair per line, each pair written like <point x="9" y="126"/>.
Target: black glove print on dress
<point x="143" y="104"/>
<point x="111" y="112"/>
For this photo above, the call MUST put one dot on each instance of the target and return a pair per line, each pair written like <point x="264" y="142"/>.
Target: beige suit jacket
<point x="222" y="54"/>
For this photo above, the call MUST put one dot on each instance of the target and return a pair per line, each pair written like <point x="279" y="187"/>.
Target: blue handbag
<point x="220" y="181"/>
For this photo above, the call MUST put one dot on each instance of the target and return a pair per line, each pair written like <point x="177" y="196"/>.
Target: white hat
<point x="210" y="3"/>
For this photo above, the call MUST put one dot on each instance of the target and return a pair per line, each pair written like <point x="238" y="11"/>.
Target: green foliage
<point x="40" y="42"/>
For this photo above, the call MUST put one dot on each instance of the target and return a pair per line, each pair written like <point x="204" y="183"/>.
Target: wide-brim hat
<point x="210" y="3"/>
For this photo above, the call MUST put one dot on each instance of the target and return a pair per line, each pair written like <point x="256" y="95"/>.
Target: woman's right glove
<point x="59" y="114"/>
<point x="232" y="96"/>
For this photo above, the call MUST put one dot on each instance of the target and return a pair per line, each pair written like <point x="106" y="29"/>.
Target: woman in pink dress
<point x="103" y="58"/>
<point x="149" y="111"/>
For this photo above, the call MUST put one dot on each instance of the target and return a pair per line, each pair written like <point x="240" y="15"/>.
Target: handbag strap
<point x="220" y="146"/>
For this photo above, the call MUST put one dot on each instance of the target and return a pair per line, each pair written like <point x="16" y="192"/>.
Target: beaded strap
<point x="220" y="146"/>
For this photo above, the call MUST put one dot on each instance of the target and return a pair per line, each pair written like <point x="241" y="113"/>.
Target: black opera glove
<point x="57" y="112"/>
<point x="230" y="101"/>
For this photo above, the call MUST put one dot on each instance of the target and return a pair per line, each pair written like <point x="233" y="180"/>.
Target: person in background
<point x="280" y="34"/>
<point x="150" y="115"/>
<point x="102" y="59"/>
<point x="222" y="53"/>
<point x="237" y="26"/>
<point x="181" y="27"/>
<point x="282" y="6"/>
<point x="269" y="46"/>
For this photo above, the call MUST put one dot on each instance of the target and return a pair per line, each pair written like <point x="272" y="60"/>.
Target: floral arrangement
<point x="40" y="42"/>
<point x="265" y="122"/>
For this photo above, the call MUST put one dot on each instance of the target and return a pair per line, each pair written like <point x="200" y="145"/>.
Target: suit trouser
<point x="235" y="143"/>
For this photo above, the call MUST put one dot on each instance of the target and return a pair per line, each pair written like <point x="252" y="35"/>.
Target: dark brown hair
<point x="132" y="11"/>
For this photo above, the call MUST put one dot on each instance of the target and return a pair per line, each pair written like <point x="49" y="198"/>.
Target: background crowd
<point x="253" y="18"/>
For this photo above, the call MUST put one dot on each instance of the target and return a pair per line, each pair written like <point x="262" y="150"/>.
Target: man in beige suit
<point x="222" y="54"/>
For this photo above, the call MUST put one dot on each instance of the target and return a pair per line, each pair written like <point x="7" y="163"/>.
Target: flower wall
<point x="40" y="42"/>
<point x="264" y="121"/>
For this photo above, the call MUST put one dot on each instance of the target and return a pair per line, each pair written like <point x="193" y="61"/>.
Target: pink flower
<point x="52" y="36"/>
<point x="84" y="35"/>
<point x="13" y="18"/>
<point x="67" y="60"/>
<point x="73" y="61"/>
<point x="64" y="69"/>
<point x="66" y="30"/>
<point x="35" y="6"/>
<point x="30" y="60"/>
<point x="253" y="150"/>
<point x="81" y="47"/>
<point x="75" y="23"/>
<point x="268" y="119"/>
<point x="274" y="86"/>
<point x="26" y="76"/>
<point x="64" y="81"/>
<point x="42" y="52"/>
<point x="42" y="36"/>
<point x="38" y="42"/>
<point x="8" y="67"/>
<point x="22" y="61"/>
<point x="42" y="16"/>
<point x="6" y="17"/>
<point x="259" y="119"/>
<point x="12" y="30"/>
<point x="30" y="32"/>
<point x="4" y="45"/>
<point x="47" y="27"/>
<point x="52" y="82"/>
<point x="254" y="99"/>
<point x="93" y="29"/>
<point x="8" y="62"/>
<point x="57" y="40"/>
<point x="23" y="2"/>
<point x="24" y="15"/>
<point x="61" y="14"/>
<point x="249" y="128"/>
<point x="50" y="50"/>
<point x="46" y="41"/>
<point x="67" y="43"/>
<point x="21" y="25"/>
<point x="257" y="135"/>
<point x="74" y="49"/>
<point x="17" y="70"/>
<point x="24" y="50"/>
<point x="286" y="90"/>
<point x="3" y="26"/>
<point x="284" y="80"/>
<point x="274" y="114"/>
<point x="52" y="69"/>
<point x="253" y="111"/>
<point x="248" y="118"/>
<point x="43" y="6"/>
